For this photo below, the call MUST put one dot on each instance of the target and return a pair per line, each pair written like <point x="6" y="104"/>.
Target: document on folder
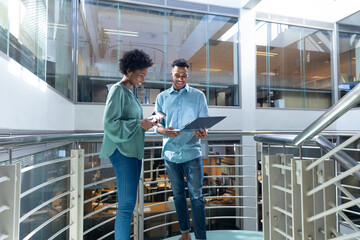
<point x="200" y="122"/>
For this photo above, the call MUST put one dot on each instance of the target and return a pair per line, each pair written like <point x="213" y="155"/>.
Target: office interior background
<point x="266" y="65"/>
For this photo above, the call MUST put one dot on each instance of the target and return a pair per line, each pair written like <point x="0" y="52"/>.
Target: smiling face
<point x="136" y="78"/>
<point x="179" y="76"/>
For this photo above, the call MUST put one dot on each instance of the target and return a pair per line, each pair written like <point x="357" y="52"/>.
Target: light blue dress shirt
<point x="181" y="108"/>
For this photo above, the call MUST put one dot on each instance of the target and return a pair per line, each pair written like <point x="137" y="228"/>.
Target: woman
<point x="124" y="133"/>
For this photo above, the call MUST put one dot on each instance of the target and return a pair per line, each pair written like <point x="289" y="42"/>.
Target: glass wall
<point x="208" y="42"/>
<point x="349" y="58"/>
<point x="293" y="66"/>
<point x="349" y="53"/>
<point x="59" y="64"/>
<point x="37" y="34"/>
<point x="4" y="25"/>
<point x="28" y="35"/>
<point x="45" y="188"/>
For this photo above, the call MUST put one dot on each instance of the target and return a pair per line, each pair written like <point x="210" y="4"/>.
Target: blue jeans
<point x="193" y="170"/>
<point x="127" y="172"/>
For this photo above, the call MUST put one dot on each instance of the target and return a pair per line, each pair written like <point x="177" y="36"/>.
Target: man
<point x="182" y="151"/>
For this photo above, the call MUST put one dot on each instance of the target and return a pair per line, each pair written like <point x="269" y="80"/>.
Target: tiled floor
<point x="228" y="235"/>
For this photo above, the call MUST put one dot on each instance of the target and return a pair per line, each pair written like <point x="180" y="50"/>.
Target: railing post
<point x="258" y="152"/>
<point x="265" y="196"/>
<point x="77" y="194"/>
<point x="286" y="161"/>
<point x="139" y="211"/>
<point x="329" y="197"/>
<point x="296" y="202"/>
<point x="239" y="192"/>
<point x="318" y="202"/>
<point x="205" y="154"/>
<point x="276" y="198"/>
<point x="306" y="181"/>
<point x="10" y="201"/>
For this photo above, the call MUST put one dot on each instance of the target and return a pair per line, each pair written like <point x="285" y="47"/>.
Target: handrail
<point x="10" y="142"/>
<point x="341" y="156"/>
<point x="16" y="141"/>
<point x="332" y="114"/>
<point x="260" y="136"/>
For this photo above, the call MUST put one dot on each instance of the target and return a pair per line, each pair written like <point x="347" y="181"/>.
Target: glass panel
<point x="293" y="66"/>
<point x="221" y="184"/>
<point x="44" y="214"/>
<point x="186" y="38"/>
<point x="4" y="25"/>
<point x="28" y="34"/>
<point x="37" y="34"/>
<point x="157" y="190"/>
<point x="59" y="49"/>
<point x="120" y="28"/>
<point x="148" y="24"/>
<point x="52" y="228"/>
<point x="349" y="53"/>
<point x="349" y="59"/>
<point x="57" y="189"/>
<point x="223" y="63"/>
<point x="165" y="35"/>
<point x="101" y="188"/>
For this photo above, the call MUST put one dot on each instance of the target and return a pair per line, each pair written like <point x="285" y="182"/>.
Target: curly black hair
<point x="180" y="63"/>
<point x="134" y="60"/>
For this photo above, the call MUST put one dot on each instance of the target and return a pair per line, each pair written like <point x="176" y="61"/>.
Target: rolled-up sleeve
<point x="203" y="108"/>
<point x="157" y="108"/>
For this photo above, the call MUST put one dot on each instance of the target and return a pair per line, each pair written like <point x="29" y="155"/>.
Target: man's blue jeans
<point x="127" y="172"/>
<point x="193" y="170"/>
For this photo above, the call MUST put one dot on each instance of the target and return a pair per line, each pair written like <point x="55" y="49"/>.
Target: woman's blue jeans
<point x="127" y="172"/>
<point x="193" y="170"/>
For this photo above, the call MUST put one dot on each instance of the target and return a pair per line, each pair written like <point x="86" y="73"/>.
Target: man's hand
<point x="168" y="132"/>
<point x="200" y="134"/>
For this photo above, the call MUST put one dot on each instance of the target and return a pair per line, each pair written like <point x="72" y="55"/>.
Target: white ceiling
<point x="319" y="10"/>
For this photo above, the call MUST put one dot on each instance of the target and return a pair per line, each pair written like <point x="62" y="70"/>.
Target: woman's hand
<point x="146" y="124"/>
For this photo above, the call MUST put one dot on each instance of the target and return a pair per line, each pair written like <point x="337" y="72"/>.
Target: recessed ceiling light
<point x="266" y="54"/>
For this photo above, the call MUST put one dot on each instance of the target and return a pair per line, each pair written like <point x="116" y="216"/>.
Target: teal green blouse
<point x="122" y="129"/>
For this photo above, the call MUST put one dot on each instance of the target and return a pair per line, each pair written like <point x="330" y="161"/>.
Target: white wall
<point x="331" y="10"/>
<point x="350" y="121"/>
<point x="227" y="3"/>
<point x="28" y="103"/>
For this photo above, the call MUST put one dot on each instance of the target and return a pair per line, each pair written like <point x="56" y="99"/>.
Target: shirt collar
<point x="186" y="88"/>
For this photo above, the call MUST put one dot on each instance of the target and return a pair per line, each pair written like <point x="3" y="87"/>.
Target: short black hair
<point x="180" y="63"/>
<point x="134" y="60"/>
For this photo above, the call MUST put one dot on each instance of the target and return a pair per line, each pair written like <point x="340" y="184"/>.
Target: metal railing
<point x="312" y="193"/>
<point x="307" y="195"/>
<point x="59" y="188"/>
